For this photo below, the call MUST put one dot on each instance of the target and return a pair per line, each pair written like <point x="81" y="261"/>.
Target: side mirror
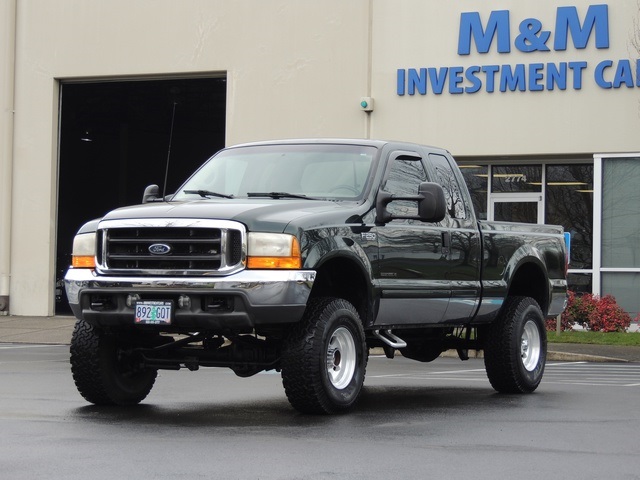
<point x="432" y="206"/>
<point x="150" y="194"/>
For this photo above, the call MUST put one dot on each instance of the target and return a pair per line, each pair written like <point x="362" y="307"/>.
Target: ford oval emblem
<point x="159" y="249"/>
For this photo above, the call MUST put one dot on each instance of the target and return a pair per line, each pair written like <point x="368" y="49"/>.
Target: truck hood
<point x="270" y="215"/>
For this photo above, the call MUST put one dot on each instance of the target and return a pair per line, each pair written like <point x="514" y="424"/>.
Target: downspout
<point x="367" y="124"/>
<point x="7" y="91"/>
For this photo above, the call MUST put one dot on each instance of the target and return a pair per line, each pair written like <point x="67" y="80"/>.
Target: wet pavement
<point x="414" y="421"/>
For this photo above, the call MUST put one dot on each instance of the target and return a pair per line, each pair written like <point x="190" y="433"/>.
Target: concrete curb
<point x="581" y="357"/>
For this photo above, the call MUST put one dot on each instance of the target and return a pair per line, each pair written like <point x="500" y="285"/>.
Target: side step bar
<point x="390" y="339"/>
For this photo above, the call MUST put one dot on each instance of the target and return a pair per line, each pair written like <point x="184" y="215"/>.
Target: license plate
<point x="154" y="312"/>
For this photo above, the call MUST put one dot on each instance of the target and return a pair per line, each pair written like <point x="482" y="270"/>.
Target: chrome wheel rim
<point x="341" y="358"/>
<point x="530" y="346"/>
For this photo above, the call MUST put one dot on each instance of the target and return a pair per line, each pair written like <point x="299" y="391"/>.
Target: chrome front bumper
<point x="244" y="299"/>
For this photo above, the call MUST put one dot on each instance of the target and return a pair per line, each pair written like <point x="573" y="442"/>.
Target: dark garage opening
<point x="114" y="141"/>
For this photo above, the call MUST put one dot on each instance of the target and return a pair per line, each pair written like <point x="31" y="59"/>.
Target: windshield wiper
<point x="279" y="195"/>
<point x="207" y="193"/>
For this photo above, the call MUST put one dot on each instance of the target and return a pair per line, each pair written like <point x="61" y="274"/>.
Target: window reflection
<point x="446" y="178"/>
<point x="477" y="179"/>
<point x="523" y="212"/>
<point x="569" y="202"/>
<point x="580" y="282"/>
<point x="404" y="178"/>
<point x="516" y="178"/>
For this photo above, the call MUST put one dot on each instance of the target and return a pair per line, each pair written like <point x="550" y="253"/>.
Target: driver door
<point x="412" y="266"/>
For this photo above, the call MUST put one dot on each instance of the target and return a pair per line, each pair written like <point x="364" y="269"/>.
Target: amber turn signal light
<point x="83" y="261"/>
<point x="274" y="262"/>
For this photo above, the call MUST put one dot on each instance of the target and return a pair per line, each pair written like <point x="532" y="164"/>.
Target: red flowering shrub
<point x="579" y="308"/>
<point x="608" y="316"/>
<point x="593" y="313"/>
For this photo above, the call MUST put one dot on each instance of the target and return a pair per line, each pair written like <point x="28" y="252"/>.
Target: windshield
<point x="326" y="171"/>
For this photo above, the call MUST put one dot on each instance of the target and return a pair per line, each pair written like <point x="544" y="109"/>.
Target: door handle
<point x="446" y="242"/>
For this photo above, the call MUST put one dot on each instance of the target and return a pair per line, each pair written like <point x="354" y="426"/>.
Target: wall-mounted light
<point x="366" y="104"/>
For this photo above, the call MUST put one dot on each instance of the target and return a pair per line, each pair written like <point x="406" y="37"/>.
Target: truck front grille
<point x="171" y="248"/>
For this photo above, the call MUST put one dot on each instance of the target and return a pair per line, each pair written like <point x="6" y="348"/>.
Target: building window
<point x="624" y="286"/>
<point x="569" y="202"/>
<point x="620" y="229"/>
<point x="516" y="178"/>
<point x="620" y="213"/>
<point x="580" y="282"/>
<point x="567" y="198"/>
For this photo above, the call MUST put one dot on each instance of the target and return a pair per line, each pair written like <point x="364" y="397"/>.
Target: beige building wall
<point x="294" y="68"/>
<point x="424" y="33"/>
<point x="7" y="69"/>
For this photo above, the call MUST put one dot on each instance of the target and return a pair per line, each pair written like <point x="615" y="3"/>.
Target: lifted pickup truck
<point x="300" y="256"/>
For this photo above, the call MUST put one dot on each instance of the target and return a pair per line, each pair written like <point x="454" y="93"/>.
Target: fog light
<point x="184" y="302"/>
<point x="132" y="299"/>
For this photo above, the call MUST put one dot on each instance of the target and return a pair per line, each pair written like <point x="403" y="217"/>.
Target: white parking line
<point x="14" y="346"/>
<point x="563" y="373"/>
<point x="564" y="364"/>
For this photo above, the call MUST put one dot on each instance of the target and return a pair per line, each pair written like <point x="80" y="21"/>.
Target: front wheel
<point x="325" y="357"/>
<point x="516" y="347"/>
<point x="103" y="371"/>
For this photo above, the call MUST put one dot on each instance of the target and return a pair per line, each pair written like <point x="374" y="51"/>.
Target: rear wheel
<point x="325" y="357"/>
<point x="103" y="371"/>
<point x="516" y="347"/>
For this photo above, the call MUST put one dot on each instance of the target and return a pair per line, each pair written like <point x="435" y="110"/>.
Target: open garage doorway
<point x="114" y="141"/>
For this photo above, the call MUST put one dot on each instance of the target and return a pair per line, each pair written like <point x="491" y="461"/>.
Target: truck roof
<point x="336" y="141"/>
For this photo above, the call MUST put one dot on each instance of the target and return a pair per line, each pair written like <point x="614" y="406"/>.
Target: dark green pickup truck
<point x="301" y="255"/>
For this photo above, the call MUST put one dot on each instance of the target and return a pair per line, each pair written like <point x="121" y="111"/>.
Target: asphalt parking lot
<point x="441" y="420"/>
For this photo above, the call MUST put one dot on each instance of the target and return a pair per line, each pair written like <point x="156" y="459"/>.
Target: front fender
<point x="342" y="260"/>
<point x="320" y="246"/>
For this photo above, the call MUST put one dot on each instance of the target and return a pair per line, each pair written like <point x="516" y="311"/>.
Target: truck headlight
<point x="273" y="250"/>
<point x="83" y="254"/>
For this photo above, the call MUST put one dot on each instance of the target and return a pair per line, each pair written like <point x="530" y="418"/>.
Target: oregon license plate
<point x="154" y="312"/>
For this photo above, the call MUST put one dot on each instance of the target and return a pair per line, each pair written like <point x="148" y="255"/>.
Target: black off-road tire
<point x="102" y="373"/>
<point x="516" y="347"/>
<point x="324" y="358"/>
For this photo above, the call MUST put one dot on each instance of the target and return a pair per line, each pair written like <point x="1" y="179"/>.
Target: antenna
<point x="166" y="172"/>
